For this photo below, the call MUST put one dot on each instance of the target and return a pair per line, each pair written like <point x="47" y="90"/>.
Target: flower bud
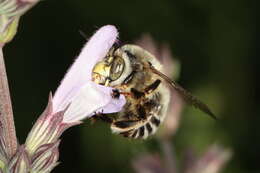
<point x="47" y="129"/>
<point x="45" y="158"/>
<point x="10" y="28"/>
<point x="20" y="163"/>
<point x="10" y="12"/>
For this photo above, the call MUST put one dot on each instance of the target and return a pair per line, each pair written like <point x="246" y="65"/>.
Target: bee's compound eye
<point x="108" y="60"/>
<point x="117" y="68"/>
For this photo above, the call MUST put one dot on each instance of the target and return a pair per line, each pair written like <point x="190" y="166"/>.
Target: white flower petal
<point x="80" y="72"/>
<point x="92" y="98"/>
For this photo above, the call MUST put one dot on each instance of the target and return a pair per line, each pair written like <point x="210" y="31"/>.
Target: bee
<point x="136" y="73"/>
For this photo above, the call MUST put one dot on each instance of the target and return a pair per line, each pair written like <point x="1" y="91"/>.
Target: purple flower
<point x="77" y="92"/>
<point x="211" y="161"/>
<point x="148" y="163"/>
<point x="77" y="97"/>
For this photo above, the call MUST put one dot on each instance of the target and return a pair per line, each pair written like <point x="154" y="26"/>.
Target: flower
<point x="76" y="98"/>
<point x="20" y="162"/>
<point x="211" y="161"/>
<point x="148" y="163"/>
<point x="77" y="89"/>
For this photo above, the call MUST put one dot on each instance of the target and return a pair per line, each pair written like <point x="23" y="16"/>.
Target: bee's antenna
<point x="187" y="96"/>
<point x="83" y="34"/>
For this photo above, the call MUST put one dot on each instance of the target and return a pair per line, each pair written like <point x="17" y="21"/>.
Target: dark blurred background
<point x="213" y="40"/>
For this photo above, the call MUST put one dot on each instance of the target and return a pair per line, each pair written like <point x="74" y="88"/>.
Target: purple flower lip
<point x="77" y="91"/>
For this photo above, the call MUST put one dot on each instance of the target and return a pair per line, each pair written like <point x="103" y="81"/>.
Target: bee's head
<point x="108" y="70"/>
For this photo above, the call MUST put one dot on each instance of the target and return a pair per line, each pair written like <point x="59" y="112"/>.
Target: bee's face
<point x="108" y="70"/>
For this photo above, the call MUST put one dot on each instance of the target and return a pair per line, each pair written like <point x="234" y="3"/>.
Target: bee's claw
<point x="92" y="120"/>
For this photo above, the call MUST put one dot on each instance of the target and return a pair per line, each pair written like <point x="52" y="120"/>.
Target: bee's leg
<point x="133" y="93"/>
<point x="141" y="112"/>
<point x="137" y="94"/>
<point x="152" y="87"/>
<point x="103" y="117"/>
<point x="106" y="118"/>
<point x="125" y="124"/>
<point x="116" y="93"/>
<point x="93" y="119"/>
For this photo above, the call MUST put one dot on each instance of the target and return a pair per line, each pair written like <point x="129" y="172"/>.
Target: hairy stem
<point x="6" y="112"/>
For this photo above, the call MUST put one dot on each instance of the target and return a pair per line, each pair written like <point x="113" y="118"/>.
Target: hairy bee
<point x="136" y="74"/>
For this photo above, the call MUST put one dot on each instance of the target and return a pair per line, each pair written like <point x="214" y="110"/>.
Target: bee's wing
<point x="186" y="95"/>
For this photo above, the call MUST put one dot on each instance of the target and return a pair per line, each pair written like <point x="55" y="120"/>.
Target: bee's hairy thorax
<point x="143" y="112"/>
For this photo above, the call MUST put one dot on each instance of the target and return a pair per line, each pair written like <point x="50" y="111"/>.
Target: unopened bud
<point x="8" y="28"/>
<point x="47" y="129"/>
<point x="45" y="158"/>
<point x="10" y="13"/>
<point x="20" y="163"/>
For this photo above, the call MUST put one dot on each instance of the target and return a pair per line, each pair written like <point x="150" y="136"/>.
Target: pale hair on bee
<point x="138" y="75"/>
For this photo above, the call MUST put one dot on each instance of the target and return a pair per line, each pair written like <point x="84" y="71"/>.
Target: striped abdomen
<point x="137" y="129"/>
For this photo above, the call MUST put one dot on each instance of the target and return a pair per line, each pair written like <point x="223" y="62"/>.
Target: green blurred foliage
<point x="212" y="39"/>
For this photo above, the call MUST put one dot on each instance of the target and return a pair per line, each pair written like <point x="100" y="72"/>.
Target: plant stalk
<point x="6" y="112"/>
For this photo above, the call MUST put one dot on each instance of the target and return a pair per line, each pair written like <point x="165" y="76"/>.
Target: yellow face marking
<point x="108" y="70"/>
<point x="101" y="72"/>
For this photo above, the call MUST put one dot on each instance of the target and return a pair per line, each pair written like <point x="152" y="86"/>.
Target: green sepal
<point x="9" y="28"/>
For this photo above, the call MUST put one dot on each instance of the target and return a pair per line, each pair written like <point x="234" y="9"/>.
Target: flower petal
<point x="90" y="99"/>
<point x="80" y="72"/>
